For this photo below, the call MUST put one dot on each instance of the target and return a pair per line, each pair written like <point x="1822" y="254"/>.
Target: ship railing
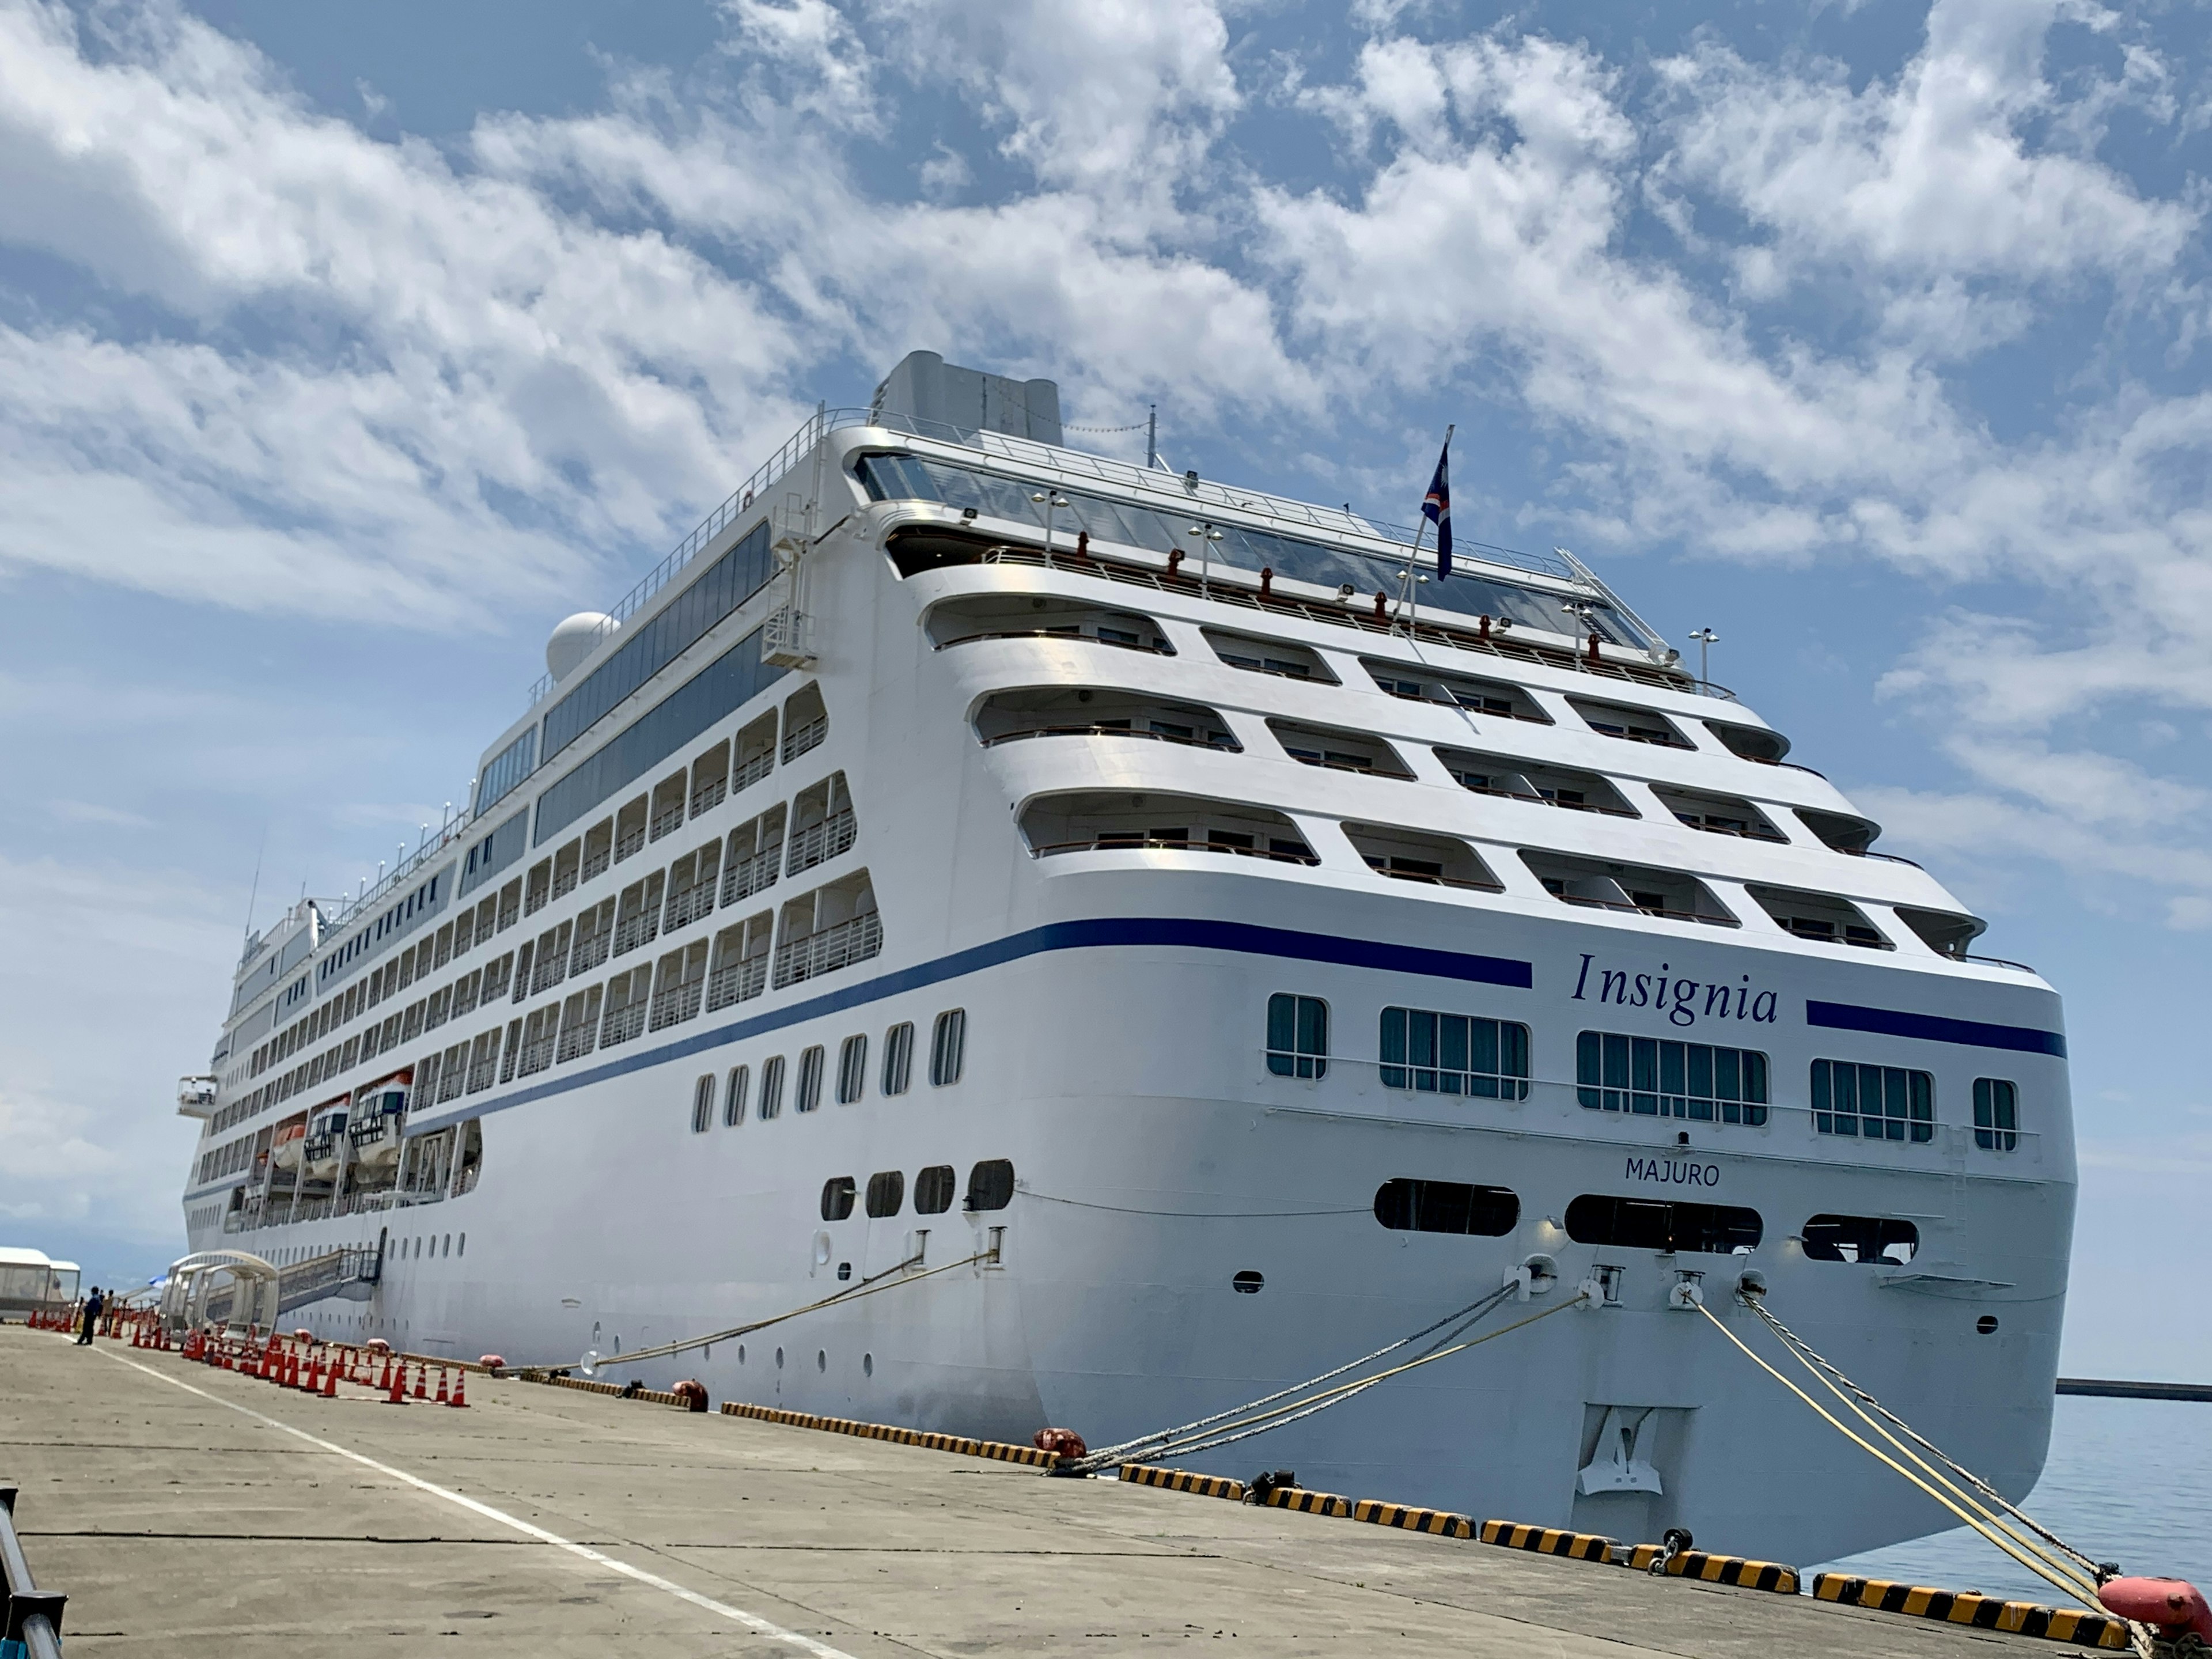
<point x="1438" y="880"/>
<point x="751" y="772"/>
<point x="740" y="981"/>
<point x="687" y="905"/>
<point x="1231" y="584"/>
<point x="1631" y="907"/>
<point x="1115" y="842"/>
<point x="836" y="947"/>
<point x="818" y="843"/>
<point x="1109" y="729"/>
<point x="801" y="739"/>
<point x="751" y="874"/>
<point x="1061" y="633"/>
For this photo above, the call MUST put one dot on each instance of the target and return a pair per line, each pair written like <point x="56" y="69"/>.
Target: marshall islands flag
<point x="1437" y="508"/>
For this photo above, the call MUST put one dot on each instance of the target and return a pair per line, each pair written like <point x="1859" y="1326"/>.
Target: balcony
<point x="818" y="843"/>
<point x="1091" y="712"/>
<point x="833" y="947"/>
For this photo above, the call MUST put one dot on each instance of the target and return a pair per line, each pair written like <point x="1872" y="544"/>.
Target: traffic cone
<point x="330" y="1383"/>
<point x="420" y="1368"/>
<point x="460" y="1383"/>
<point x="398" y="1394"/>
<point x="441" y="1385"/>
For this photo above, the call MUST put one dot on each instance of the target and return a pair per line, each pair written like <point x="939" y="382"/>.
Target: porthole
<point x="867" y="1365"/>
<point x="779" y="1359"/>
<point x="822" y="1359"/>
<point x="741" y="1353"/>
<point x="844" y="1270"/>
<point x="1248" y="1283"/>
<point x="1986" y="1324"/>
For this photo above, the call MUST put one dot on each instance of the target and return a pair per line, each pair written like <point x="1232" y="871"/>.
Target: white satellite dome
<point x="572" y="640"/>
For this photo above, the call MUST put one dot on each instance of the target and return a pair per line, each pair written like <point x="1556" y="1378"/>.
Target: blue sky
<point x="342" y="351"/>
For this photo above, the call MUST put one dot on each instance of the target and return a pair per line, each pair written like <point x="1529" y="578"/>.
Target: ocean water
<point x="2128" y="1480"/>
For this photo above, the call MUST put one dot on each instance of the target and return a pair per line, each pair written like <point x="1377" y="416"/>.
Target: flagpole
<point x="1412" y="598"/>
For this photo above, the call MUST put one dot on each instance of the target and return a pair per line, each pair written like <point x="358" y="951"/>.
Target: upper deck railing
<point x="1183" y="490"/>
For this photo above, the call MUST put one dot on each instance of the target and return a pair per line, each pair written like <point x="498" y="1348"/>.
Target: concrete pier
<point x="186" y="1510"/>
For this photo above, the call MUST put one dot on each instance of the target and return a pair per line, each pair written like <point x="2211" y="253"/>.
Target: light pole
<point x="1706" y="640"/>
<point x="1051" y="502"/>
<point x="1207" y="535"/>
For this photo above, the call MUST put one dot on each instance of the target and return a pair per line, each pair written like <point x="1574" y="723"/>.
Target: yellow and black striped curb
<point x="1442" y="1522"/>
<point x="1309" y="1502"/>
<point x="1724" y="1570"/>
<point x="1547" y="1540"/>
<point x="589" y="1385"/>
<point x="1003" y="1451"/>
<point x="1205" y="1486"/>
<point x="2094" y="1630"/>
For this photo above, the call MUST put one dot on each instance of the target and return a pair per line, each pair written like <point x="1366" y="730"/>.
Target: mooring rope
<point x="2060" y="1576"/>
<point x="1863" y="1402"/>
<point x="874" y="1282"/>
<point x="1242" y="1422"/>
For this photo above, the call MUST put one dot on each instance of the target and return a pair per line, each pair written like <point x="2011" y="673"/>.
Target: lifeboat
<point x="322" y="1144"/>
<point x="284" y="1150"/>
<point x="373" y="1126"/>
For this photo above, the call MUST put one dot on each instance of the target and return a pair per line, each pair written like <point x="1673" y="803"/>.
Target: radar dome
<point x="572" y="639"/>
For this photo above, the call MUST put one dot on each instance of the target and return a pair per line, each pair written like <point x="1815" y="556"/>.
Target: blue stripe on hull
<point x="1935" y="1028"/>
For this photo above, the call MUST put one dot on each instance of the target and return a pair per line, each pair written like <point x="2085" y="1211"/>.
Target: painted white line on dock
<point x="751" y="1621"/>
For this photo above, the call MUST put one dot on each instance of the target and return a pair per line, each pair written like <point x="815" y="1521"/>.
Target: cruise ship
<point x="1163" y="940"/>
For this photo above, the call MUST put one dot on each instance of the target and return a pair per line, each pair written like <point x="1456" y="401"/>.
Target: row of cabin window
<point x="700" y="787"/>
<point x="1430" y="1052"/>
<point x="948" y="1052"/>
<point x="990" y="1187"/>
<point x="740" y="971"/>
<point x="689" y="792"/>
<point x="1412" y="1204"/>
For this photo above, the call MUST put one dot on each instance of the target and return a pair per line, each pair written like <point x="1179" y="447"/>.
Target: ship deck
<point x="191" y="1510"/>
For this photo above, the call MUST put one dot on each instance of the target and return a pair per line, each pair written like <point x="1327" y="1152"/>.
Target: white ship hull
<point x="1116" y="1004"/>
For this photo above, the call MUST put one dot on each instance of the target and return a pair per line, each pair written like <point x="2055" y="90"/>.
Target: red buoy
<point x="1064" y="1443"/>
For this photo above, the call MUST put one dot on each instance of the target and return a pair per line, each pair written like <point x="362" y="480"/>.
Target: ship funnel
<point x="927" y="389"/>
<point x="572" y="639"/>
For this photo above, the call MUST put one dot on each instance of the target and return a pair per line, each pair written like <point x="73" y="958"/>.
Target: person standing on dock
<point x="92" y="1306"/>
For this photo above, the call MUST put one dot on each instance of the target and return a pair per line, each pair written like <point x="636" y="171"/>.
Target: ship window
<point x="837" y="1198"/>
<point x="934" y="1188"/>
<point x="852" y="1070"/>
<point x="886" y="1193"/>
<point x="1298" y="1036"/>
<point x="1874" y="1103"/>
<point x="990" y="1185"/>
<point x="1454" y="1054"/>
<point x="1644" y="1224"/>
<point x="733" y="1096"/>
<point x="1996" y="1115"/>
<point x="1660" y="1077"/>
<point x="1408" y="1206"/>
<point x="948" y="1046"/>
<point x="898" y="1058"/>
<point x="771" y="1100"/>
<point x="630" y="829"/>
<point x="704" y="1105"/>
<point x="808" y="1094"/>
<point x="1861" y="1238"/>
<point x="1636" y="725"/>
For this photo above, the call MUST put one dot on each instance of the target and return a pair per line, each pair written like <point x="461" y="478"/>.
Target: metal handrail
<point x="1110" y="843"/>
<point x="33" y="1616"/>
<point x="1099" y="730"/>
<point x="1057" y="634"/>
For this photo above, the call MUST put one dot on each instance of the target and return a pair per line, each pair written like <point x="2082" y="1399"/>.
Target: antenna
<point x="1153" y="439"/>
<point x="254" y="893"/>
